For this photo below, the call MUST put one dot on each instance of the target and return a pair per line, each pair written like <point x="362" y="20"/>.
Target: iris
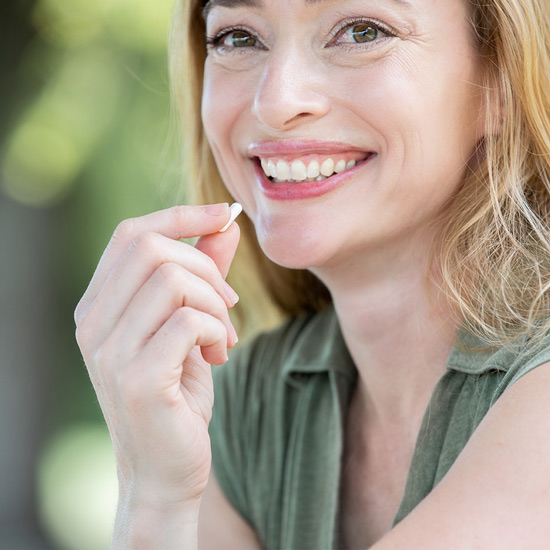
<point x="363" y="33"/>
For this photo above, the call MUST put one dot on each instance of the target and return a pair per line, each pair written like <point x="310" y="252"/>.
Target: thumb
<point x="221" y="247"/>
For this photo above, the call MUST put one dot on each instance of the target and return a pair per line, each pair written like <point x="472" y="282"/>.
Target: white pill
<point x="236" y="209"/>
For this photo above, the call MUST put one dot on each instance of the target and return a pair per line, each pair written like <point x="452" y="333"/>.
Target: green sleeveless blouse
<point x="277" y="430"/>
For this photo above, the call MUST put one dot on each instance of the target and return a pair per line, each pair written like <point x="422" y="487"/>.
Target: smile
<point x="309" y="168"/>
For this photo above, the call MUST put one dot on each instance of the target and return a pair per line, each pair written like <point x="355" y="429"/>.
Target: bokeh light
<point x="77" y="488"/>
<point x="91" y="44"/>
<point x="140" y="24"/>
<point x="85" y="143"/>
<point x="71" y="23"/>
<point x="54" y="138"/>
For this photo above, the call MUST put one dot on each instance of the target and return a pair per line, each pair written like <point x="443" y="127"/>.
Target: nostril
<point x="298" y="117"/>
<point x="285" y="104"/>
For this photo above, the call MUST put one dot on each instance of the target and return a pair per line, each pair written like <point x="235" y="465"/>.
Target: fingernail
<point x="232" y="296"/>
<point x="216" y="209"/>
<point x="233" y="335"/>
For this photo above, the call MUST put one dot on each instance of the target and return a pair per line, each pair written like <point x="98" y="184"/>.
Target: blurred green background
<point x="85" y="141"/>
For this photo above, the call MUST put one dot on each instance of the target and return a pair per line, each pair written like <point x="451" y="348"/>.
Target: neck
<point x="397" y="327"/>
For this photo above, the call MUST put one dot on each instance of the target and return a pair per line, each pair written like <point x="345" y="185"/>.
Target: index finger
<point x="178" y="222"/>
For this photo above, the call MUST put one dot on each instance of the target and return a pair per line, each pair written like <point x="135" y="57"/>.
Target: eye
<point x="238" y="39"/>
<point x="360" y="33"/>
<point x="229" y="40"/>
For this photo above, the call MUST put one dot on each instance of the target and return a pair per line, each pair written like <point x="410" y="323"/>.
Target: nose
<point x="290" y="92"/>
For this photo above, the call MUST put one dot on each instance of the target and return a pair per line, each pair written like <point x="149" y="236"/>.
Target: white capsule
<point x="236" y="209"/>
<point x="327" y="168"/>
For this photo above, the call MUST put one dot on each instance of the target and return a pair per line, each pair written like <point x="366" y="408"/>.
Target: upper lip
<point x="299" y="147"/>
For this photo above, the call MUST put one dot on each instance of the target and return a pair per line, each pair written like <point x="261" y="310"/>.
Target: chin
<point x="289" y="260"/>
<point x="295" y="250"/>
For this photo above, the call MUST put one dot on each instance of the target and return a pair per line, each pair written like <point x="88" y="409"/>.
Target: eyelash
<point x="215" y="40"/>
<point x="353" y="22"/>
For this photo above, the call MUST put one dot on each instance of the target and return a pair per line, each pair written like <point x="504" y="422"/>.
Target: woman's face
<point x="383" y="97"/>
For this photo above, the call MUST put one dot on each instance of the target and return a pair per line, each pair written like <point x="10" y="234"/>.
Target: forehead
<point x="209" y="4"/>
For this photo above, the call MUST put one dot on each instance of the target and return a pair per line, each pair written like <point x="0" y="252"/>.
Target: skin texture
<point x="156" y="311"/>
<point x="412" y="99"/>
<point x="154" y="316"/>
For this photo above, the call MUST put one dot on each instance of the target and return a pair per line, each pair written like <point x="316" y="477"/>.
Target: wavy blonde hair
<point x="493" y="252"/>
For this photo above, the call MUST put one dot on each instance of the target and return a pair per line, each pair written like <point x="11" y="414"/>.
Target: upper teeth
<point x="298" y="171"/>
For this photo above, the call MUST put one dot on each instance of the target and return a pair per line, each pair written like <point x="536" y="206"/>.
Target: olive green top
<point x="278" y="426"/>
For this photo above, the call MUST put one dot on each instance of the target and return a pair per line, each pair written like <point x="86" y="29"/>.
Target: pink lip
<point x="297" y="147"/>
<point x="306" y="189"/>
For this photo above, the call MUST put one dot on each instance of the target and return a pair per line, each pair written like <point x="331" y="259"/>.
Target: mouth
<point x="310" y="167"/>
<point x="305" y="169"/>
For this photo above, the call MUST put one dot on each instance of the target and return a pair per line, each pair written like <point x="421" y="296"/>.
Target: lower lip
<point x="307" y="189"/>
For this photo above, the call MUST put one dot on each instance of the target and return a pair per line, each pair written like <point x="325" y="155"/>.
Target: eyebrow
<point x="209" y="4"/>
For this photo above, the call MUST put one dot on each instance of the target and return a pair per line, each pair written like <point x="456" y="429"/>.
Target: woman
<point x="395" y="155"/>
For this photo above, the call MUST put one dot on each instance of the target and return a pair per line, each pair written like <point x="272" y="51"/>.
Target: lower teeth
<point x="319" y="178"/>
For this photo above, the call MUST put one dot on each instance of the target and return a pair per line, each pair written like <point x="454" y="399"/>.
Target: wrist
<point x="146" y="493"/>
<point x="150" y="521"/>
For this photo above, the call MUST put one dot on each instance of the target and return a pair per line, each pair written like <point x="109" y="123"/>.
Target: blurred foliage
<point x="85" y="130"/>
<point x="99" y="63"/>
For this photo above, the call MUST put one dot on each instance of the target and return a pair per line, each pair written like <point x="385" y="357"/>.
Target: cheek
<point x="431" y="114"/>
<point x="223" y="99"/>
<point x="224" y="109"/>
<point x="213" y="115"/>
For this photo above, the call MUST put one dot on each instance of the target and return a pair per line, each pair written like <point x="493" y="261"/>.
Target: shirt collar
<point x="320" y="347"/>
<point x="471" y="355"/>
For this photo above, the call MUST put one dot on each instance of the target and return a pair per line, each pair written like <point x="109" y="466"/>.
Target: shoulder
<point x="505" y="364"/>
<point x="499" y="486"/>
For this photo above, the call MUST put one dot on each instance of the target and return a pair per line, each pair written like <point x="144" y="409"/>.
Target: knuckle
<point x="79" y="312"/>
<point x="221" y="340"/>
<point x="218" y="332"/>
<point x="124" y="230"/>
<point x="188" y="319"/>
<point x="82" y="339"/>
<point x="101" y="359"/>
<point x="146" y="243"/>
<point x="172" y="273"/>
<point x="223" y="335"/>
<point x="220" y="309"/>
<point x="84" y="336"/>
<point x="180" y="214"/>
<point x="107" y="360"/>
<point x="211" y="271"/>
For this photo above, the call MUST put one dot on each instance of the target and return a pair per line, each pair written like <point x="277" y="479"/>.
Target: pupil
<point x="242" y="40"/>
<point x="364" y="33"/>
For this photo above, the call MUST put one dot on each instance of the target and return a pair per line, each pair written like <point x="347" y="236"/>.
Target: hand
<point x="152" y="319"/>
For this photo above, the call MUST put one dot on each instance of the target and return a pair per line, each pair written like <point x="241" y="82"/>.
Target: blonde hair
<point x="493" y="253"/>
